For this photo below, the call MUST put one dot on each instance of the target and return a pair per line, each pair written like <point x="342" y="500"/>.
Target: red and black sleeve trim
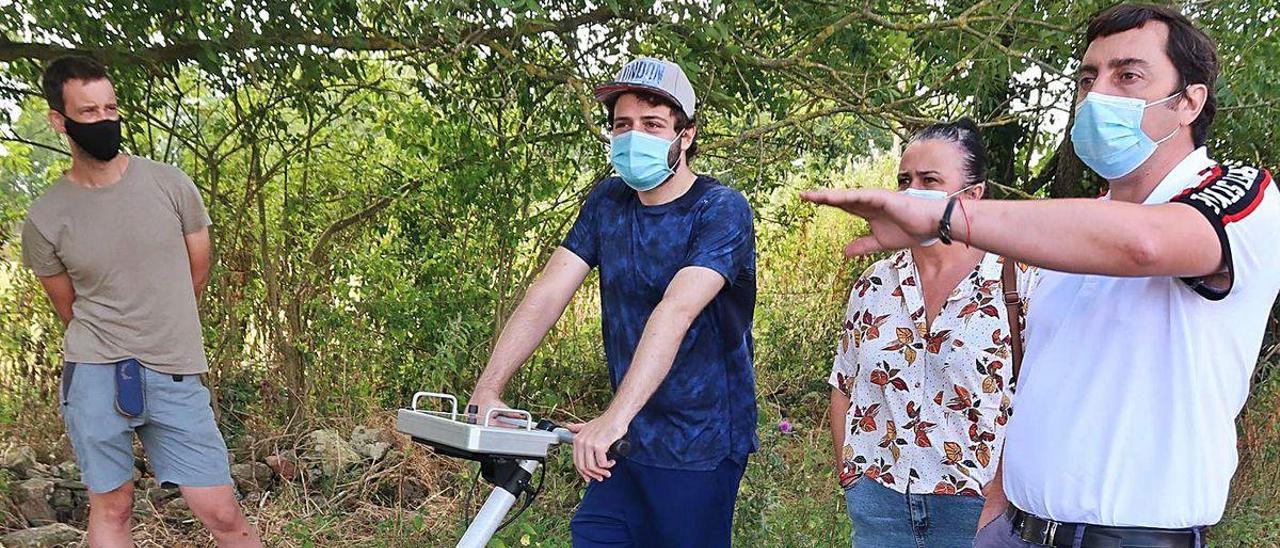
<point x="1228" y="194"/>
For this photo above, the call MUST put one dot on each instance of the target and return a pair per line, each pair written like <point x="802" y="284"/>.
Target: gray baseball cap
<point x="653" y="75"/>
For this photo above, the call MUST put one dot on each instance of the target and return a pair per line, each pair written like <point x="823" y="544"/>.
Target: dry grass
<point x="411" y="498"/>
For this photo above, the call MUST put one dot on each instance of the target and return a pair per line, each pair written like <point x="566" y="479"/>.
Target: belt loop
<point x="1050" y="532"/>
<point x="1198" y="540"/>
<point x="1078" y="541"/>
<point x="177" y="378"/>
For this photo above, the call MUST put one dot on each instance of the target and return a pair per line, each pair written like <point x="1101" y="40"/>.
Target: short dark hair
<point x="654" y="100"/>
<point x="70" y="67"/>
<point x="963" y="132"/>
<point x="1193" y="53"/>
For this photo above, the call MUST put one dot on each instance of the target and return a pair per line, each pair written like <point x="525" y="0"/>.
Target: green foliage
<point x="385" y="179"/>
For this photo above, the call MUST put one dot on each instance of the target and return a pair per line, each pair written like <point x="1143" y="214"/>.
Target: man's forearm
<point x="523" y="332"/>
<point x="1091" y="236"/>
<point x="537" y="312"/>
<point x="535" y="315"/>
<point x="62" y="295"/>
<point x="654" y="355"/>
<point x="64" y="313"/>
<point x="199" y="280"/>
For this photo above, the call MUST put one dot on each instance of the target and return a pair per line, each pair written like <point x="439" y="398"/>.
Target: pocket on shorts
<point x="198" y="387"/>
<point x="68" y="375"/>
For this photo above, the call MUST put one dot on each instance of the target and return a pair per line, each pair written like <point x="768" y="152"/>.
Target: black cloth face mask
<point x="100" y="139"/>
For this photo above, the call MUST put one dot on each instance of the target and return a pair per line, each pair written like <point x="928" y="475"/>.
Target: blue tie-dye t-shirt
<point x="705" y="409"/>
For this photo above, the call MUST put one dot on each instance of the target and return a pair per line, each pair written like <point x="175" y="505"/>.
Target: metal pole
<point x="492" y="513"/>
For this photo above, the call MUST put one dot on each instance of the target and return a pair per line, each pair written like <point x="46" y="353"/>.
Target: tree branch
<point x="769" y="128"/>
<point x="321" y="247"/>
<point x="16" y="139"/>
<point x="184" y="50"/>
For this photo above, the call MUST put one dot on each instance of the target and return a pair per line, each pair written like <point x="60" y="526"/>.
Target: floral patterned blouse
<point x="929" y="405"/>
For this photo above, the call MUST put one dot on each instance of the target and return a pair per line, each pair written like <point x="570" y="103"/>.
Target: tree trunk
<point x="1002" y="141"/>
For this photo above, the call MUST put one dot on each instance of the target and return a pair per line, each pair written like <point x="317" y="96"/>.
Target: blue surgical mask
<point x="641" y="159"/>
<point x="1108" y="137"/>
<point x="933" y="195"/>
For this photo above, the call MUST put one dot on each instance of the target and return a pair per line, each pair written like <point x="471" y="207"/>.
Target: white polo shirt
<point x="1125" y="410"/>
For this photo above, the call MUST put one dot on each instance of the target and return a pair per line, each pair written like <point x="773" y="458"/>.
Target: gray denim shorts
<point x="178" y="433"/>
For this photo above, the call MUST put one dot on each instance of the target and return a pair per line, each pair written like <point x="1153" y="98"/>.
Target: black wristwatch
<point x="944" y="224"/>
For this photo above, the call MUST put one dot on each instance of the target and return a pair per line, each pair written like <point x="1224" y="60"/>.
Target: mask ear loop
<point x="1169" y="136"/>
<point x="966" y="189"/>
<point x="679" y="151"/>
<point x="1162" y="101"/>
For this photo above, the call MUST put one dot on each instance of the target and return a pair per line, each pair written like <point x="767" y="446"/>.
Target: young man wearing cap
<point x="676" y="253"/>
<point x="1145" y="323"/>
<point x="121" y="245"/>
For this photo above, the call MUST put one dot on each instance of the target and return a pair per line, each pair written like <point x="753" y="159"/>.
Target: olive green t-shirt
<point x="123" y="246"/>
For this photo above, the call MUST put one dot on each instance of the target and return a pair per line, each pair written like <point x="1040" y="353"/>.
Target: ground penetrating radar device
<point x="507" y="443"/>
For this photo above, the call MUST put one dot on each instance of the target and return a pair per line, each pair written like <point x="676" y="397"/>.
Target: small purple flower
<point x="784" y="426"/>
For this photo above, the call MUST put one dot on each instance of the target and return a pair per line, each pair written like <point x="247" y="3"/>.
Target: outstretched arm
<point x="1083" y="236"/>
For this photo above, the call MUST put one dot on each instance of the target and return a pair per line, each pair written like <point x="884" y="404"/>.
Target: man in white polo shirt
<point x="1148" y="311"/>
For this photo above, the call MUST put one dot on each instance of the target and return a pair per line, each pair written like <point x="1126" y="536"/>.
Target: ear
<point x="57" y="121"/>
<point x="687" y="137"/>
<point x="1193" y="100"/>
<point x="979" y="190"/>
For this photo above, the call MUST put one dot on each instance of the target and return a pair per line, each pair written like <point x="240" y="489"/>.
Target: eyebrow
<point x="1117" y="63"/>
<point x="1127" y="62"/>
<point x="921" y="173"/>
<point x="645" y="117"/>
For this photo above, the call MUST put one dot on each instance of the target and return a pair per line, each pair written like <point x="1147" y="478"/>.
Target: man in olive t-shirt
<point x="121" y="246"/>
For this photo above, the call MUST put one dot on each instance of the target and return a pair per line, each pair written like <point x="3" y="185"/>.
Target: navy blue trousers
<point x="642" y="506"/>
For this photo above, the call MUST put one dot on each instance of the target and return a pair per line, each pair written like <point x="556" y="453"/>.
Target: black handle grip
<point x="621" y="448"/>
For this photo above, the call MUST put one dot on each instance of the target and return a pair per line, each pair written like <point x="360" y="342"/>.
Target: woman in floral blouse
<point x="920" y="385"/>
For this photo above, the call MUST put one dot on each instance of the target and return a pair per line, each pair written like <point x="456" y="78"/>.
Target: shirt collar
<point x="989" y="268"/>
<point x="1186" y="173"/>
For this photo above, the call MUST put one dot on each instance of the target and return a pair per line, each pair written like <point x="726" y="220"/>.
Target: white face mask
<point x="934" y="195"/>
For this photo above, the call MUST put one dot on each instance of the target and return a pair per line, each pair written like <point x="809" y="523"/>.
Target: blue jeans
<point x="884" y="518"/>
